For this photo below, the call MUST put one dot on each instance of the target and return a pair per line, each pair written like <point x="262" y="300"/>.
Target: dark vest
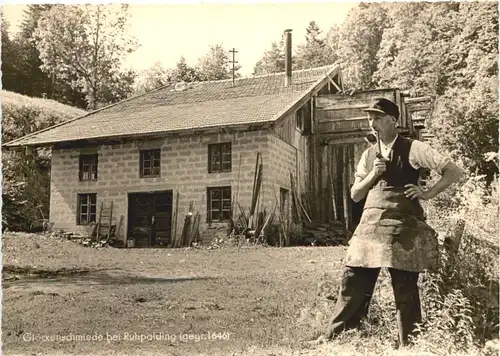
<point x="399" y="171"/>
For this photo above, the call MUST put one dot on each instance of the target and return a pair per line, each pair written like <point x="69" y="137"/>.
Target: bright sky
<point x="166" y="32"/>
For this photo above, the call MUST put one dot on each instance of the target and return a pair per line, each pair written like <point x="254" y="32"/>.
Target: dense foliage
<point x="26" y="178"/>
<point x="68" y="53"/>
<point x="85" y="46"/>
<point x="21" y="64"/>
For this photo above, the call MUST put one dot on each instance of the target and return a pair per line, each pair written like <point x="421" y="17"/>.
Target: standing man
<point x="392" y="232"/>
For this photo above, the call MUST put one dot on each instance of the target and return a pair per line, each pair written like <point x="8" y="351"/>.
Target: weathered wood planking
<point x="285" y="129"/>
<point x="344" y="113"/>
<point x="328" y="154"/>
<point x="302" y="162"/>
<point x="359" y="124"/>
<point x="337" y="170"/>
<point x="357" y="100"/>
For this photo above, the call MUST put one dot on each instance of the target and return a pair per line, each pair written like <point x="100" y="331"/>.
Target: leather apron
<point x="392" y="231"/>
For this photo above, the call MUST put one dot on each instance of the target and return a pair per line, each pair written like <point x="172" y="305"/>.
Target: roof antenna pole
<point x="233" y="51"/>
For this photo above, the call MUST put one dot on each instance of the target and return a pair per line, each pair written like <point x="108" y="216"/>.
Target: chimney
<point x="288" y="58"/>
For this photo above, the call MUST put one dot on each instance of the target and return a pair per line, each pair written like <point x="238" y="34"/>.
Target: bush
<point x="22" y="115"/>
<point x="26" y="179"/>
<point x="461" y="301"/>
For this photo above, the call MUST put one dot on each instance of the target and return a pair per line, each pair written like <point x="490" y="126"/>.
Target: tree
<point x="466" y="125"/>
<point x="152" y="78"/>
<point x="85" y="45"/>
<point x="117" y="88"/>
<point x="475" y="48"/>
<point x="359" y="42"/>
<point x="314" y="53"/>
<point x="273" y="60"/>
<point x="31" y="80"/>
<point x="332" y="44"/>
<point x="31" y="16"/>
<point x="10" y="69"/>
<point x="184" y="72"/>
<point x="412" y="54"/>
<point x="215" y="64"/>
<point x="466" y="116"/>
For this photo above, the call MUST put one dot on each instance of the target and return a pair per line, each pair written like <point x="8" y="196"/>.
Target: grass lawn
<point x="247" y="298"/>
<point x="229" y="301"/>
<point x="46" y="106"/>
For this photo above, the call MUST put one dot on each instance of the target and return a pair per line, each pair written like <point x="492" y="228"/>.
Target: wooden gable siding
<point x="338" y="113"/>
<point x="287" y="131"/>
<point x="304" y="138"/>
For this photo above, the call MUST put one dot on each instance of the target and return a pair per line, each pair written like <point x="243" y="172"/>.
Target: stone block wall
<point x="184" y="170"/>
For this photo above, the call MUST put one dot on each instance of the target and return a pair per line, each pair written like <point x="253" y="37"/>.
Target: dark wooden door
<point x="139" y="219"/>
<point x="150" y="217"/>
<point x="162" y="212"/>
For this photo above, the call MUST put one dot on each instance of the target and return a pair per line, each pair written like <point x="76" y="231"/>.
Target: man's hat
<point x="384" y="106"/>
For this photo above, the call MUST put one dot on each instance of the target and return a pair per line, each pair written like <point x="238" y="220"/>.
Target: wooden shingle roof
<point x="203" y="105"/>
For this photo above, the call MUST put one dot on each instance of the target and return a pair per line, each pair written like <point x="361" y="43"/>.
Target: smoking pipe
<point x="373" y="138"/>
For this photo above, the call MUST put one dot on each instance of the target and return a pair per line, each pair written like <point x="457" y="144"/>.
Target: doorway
<point x="150" y="218"/>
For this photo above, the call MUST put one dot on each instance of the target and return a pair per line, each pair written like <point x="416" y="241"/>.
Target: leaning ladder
<point x="106" y="215"/>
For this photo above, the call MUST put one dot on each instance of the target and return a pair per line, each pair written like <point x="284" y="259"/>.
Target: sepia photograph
<point x="242" y="178"/>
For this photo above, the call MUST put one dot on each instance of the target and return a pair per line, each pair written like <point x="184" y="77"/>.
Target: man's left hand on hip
<point x="414" y="191"/>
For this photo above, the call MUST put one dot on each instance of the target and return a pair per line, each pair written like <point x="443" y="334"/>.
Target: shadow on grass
<point x="28" y="275"/>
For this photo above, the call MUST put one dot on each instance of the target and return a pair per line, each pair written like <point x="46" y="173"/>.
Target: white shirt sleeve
<point x="361" y="169"/>
<point x="423" y="155"/>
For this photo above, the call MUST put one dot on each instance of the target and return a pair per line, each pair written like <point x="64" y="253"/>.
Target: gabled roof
<point x="207" y="104"/>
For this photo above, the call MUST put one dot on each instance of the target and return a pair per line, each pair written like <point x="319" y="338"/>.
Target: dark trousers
<point x="356" y="292"/>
